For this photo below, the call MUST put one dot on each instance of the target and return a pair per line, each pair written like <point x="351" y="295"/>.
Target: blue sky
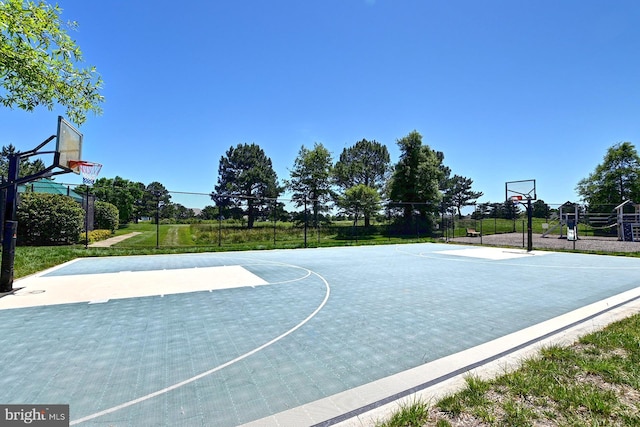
<point x="508" y="90"/>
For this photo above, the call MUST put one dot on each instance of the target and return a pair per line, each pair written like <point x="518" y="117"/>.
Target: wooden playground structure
<point x="624" y="218"/>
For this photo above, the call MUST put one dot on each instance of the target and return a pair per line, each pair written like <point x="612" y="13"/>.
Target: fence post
<point x="453" y="226"/>
<point x="158" y="222"/>
<point x="305" y="221"/>
<point x="529" y="226"/>
<point x="219" y="226"/>
<point x="275" y="219"/>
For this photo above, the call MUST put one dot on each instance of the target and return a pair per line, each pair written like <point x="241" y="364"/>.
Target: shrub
<point x="96" y="236"/>
<point x="106" y="216"/>
<point x="49" y="219"/>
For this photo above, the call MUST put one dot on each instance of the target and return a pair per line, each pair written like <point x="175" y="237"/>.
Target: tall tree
<point x="360" y="200"/>
<point x="38" y="62"/>
<point x="416" y="178"/>
<point x="209" y="213"/>
<point x="246" y="177"/>
<point x="124" y="194"/>
<point x="506" y="210"/>
<point x="26" y="167"/>
<point x="615" y="180"/>
<point x="365" y="163"/>
<point x="540" y="209"/>
<point x="155" y="199"/>
<point x="310" y="180"/>
<point x="446" y="202"/>
<point x="139" y="189"/>
<point x="182" y="212"/>
<point x="458" y="192"/>
<point x="482" y="210"/>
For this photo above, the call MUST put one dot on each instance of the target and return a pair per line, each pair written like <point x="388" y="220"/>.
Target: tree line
<point x="359" y="184"/>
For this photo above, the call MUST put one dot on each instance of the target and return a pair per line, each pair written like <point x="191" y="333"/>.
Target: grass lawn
<point x="235" y="236"/>
<point x="32" y="259"/>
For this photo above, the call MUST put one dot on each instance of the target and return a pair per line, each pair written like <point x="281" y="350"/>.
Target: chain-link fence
<point x="200" y="219"/>
<point x="571" y="226"/>
<point x="237" y="221"/>
<point x="555" y="219"/>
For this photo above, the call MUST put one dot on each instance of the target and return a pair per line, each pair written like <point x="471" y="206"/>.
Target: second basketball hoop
<point x="520" y="190"/>
<point x="523" y="192"/>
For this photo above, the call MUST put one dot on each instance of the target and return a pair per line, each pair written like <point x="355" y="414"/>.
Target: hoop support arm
<point x="35" y="150"/>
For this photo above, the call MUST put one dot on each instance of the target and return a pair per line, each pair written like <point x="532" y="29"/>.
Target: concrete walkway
<point x="113" y="240"/>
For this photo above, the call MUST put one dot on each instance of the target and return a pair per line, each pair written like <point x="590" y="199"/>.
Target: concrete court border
<point x="442" y="374"/>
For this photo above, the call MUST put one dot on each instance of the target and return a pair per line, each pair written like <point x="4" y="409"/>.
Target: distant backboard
<point x="68" y="145"/>
<point x="521" y="190"/>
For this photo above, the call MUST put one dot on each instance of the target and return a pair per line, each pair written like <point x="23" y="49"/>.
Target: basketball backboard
<point x="520" y="190"/>
<point x="68" y="145"/>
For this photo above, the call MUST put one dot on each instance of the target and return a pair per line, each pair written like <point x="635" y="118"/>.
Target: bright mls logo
<point x="34" y="415"/>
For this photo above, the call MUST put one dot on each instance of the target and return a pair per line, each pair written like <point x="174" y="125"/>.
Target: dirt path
<point x="172" y="238"/>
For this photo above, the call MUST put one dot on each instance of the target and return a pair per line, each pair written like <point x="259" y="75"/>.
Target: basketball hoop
<point x="516" y="199"/>
<point x="88" y="170"/>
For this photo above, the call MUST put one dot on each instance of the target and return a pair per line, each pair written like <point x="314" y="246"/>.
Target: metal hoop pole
<point x="86" y="222"/>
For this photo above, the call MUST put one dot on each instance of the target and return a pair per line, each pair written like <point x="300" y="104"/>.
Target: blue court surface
<point x="284" y="337"/>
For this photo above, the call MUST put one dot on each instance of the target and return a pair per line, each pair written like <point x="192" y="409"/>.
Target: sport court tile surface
<point x="328" y="320"/>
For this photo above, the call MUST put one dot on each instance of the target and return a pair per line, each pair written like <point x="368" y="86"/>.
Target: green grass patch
<point x="410" y="414"/>
<point x="32" y="259"/>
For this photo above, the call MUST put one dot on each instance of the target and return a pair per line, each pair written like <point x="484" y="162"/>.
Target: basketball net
<point x="516" y="199"/>
<point x="88" y="170"/>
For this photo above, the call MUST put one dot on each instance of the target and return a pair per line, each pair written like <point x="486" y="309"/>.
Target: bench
<point x="471" y="232"/>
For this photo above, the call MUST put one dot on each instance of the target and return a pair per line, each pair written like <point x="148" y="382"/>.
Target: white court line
<point x="217" y="368"/>
<point x="490" y="253"/>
